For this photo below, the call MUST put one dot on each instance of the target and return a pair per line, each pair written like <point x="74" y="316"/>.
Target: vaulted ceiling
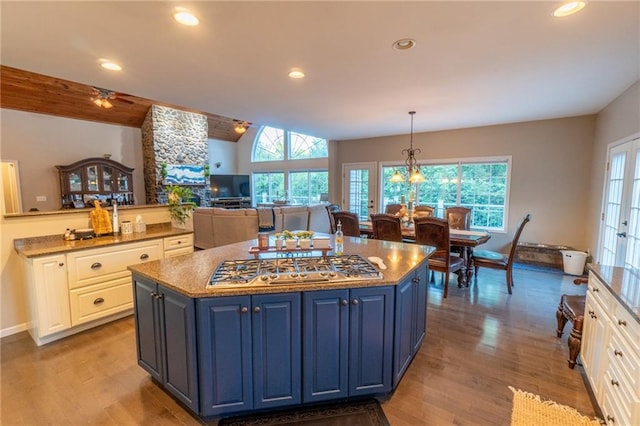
<point x="475" y="63"/>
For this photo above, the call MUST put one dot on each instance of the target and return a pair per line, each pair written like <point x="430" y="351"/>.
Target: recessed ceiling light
<point x="296" y="73"/>
<point x="185" y="17"/>
<point x="404" y="44"/>
<point x="569" y="8"/>
<point x="109" y="65"/>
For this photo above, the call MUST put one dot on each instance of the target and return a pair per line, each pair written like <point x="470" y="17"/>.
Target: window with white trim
<point x="480" y="184"/>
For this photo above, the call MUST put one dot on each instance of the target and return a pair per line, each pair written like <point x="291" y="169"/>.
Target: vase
<point x="305" y="243"/>
<point x="278" y="244"/>
<point x="291" y="244"/>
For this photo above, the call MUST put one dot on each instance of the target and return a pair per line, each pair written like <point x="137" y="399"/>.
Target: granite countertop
<point x="623" y="283"/>
<point x="190" y="274"/>
<point x="55" y="244"/>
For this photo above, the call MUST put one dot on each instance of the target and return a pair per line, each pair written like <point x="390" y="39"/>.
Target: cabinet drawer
<point x="178" y="242"/>
<point x="628" y="327"/>
<point x="93" y="266"/>
<point x="599" y="292"/>
<point x="623" y="361"/>
<point x="178" y="251"/>
<point x="620" y="402"/>
<point x="97" y="301"/>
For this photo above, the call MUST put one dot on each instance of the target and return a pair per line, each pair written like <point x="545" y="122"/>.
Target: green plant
<point x="180" y="204"/>
<point x="304" y="234"/>
<point x="288" y="235"/>
<point x="163" y="171"/>
<point x="206" y="171"/>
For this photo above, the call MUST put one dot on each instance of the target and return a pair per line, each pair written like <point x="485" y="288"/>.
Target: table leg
<point x="465" y="268"/>
<point x="469" y="262"/>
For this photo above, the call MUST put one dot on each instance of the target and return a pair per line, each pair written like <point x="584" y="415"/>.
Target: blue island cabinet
<point x="411" y="320"/>
<point x="348" y="341"/>
<point x="249" y="352"/>
<point x="165" y="337"/>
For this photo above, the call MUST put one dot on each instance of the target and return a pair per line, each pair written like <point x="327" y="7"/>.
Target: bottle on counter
<point x="114" y="218"/>
<point x="339" y="237"/>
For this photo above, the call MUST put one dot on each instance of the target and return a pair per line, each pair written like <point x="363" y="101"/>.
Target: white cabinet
<point x="178" y="245"/>
<point x="48" y="295"/>
<point x="72" y="292"/>
<point x="611" y="355"/>
<point x="99" y="282"/>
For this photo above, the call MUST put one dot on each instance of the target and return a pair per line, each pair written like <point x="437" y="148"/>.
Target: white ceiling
<point x="476" y="63"/>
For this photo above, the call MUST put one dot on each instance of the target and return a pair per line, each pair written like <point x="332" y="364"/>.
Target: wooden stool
<point x="571" y="308"/>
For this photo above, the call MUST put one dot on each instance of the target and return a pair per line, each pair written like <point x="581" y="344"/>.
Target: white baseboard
<point x="13" y="330"/>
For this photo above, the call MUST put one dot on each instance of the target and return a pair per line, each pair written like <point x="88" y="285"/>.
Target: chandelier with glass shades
<point x="413" y="168"/>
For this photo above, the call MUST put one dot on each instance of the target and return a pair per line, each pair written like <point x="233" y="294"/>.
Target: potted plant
<point x="180" y="204"/>
<point x="278" y="236"/>
<point x="206" y="171"/>
<point x="304" y="239"/>
<point x="290" y="241"/>
<point x="163" y="172"/>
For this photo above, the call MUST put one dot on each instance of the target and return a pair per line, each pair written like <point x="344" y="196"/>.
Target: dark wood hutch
<point x="95" y="179"/>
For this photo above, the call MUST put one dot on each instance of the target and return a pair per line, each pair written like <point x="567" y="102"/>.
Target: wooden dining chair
<point x="458" y="217"/>
<point x="332" y="208"/>
<point x="424" y="211"/>
<point x="350" y="223"/>
<point x="433" y="231"/>
<point x="386" y="227"/>
<point x="392" y="208"/>
<point x="495" y="260"/>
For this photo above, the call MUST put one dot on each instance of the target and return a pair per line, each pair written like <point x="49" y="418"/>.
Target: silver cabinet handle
<point x="244" y="309"/>
<point x="354" y="302"/>
<point x="256" y="309"/>
<point x="344" y="302"/>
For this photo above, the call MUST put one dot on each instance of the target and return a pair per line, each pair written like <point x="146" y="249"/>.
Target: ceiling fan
<point x="103" y="97"/>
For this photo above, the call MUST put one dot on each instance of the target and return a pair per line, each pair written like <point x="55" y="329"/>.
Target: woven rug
<point x="360" y="413"/>
<point x="531" y="410"/>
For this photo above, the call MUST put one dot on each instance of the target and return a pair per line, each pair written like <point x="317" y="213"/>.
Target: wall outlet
<point x="41" y="198"/>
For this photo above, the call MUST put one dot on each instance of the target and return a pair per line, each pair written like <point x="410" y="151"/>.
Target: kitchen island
<point x="252" y="346"/>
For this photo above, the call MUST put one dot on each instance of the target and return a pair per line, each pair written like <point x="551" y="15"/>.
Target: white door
<point x="620" y="227"/>
<point x="359" y="189"/>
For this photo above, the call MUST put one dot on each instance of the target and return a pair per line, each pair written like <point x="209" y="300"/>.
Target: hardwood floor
<point x="480" y="340"/>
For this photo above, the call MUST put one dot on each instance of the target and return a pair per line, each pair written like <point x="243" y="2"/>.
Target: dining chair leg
<point x="509" y="280"/>
<point x="446" y="284"/>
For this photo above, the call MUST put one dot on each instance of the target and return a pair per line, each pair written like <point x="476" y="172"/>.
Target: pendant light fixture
<point x="413" y="168"/>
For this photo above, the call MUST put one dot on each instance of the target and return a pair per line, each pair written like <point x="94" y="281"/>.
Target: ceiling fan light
<point x="106" y="104"/>
<point x="97" y="101"/>
<point x="111" y="66"/>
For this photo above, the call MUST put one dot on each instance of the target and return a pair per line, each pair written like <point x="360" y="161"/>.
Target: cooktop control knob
<point x="264" y="277"/>
<point x="293" y="275"/>
<point x="303" y="275"/>
<point x="332" y="274"/>
<point x="273" y="276"/>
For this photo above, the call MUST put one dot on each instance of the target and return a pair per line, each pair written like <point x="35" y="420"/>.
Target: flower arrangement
<point x="304" y="234"/>
<point x="288" y="235"/>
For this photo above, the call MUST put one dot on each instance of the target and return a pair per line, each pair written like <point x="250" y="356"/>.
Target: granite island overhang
<point x="228" y="350"/>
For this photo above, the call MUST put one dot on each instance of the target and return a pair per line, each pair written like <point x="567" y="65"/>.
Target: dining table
<point x="466" y="240"/>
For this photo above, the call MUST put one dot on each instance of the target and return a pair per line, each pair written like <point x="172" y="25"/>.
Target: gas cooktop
<point x="293" y="270"/>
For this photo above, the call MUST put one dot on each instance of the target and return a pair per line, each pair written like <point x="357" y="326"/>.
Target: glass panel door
<point x="107" y="178"/>
<point x="632" y="257"/>
<point x="92" y="178"/>
<point x="123" y="183"/>
<point x="75" y="182"/>
<point x="359" y="189"/>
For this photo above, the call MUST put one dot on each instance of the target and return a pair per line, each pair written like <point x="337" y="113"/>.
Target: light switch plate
<point x="41" y="198"/>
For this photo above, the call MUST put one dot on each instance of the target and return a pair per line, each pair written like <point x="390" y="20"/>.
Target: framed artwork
<point x="185" y="174"/>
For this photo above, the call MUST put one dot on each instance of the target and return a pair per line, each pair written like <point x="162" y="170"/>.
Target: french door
<point x="620" y="227"/>
<point x="359" y="189"/>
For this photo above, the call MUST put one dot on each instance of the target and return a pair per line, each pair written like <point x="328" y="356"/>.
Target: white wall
<point x="225" y="153"/>
<point x="40" y="142"/>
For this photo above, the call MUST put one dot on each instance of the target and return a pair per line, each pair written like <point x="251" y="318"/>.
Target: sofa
<point x="215" y="226"/>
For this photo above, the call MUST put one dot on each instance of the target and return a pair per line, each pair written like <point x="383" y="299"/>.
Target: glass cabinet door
<point x="123" y="183"/>
<point x="92" y="178"/>
<point x="107" y="178"/>
<point x="75" y="182"/>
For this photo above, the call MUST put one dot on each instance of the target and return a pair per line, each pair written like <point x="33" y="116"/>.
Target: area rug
<point x="359" y="413"/>
<point x="531" y="410"/>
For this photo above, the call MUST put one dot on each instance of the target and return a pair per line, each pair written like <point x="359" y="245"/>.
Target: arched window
<point x="297" y="170"/>
<point x="271" y="145"/>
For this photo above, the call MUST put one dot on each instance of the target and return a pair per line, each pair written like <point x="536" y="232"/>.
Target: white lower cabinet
<point x="48" y="295"/>
<point x="82" y="289"/>
<point x="611" y="355"/>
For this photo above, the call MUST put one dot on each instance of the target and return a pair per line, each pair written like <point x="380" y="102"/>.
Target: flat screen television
<point x="230" y="186"/>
